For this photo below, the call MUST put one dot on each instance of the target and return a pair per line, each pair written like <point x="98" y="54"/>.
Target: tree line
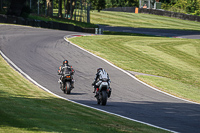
<point x="19" y="7"/>
<point x="182" y="6"/>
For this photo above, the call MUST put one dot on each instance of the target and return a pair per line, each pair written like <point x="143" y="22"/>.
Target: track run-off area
<point x="39" y="52"/>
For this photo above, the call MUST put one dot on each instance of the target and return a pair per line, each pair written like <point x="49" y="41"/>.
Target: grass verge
<point x="27" y="108"/>
<point x="176" y="60"/>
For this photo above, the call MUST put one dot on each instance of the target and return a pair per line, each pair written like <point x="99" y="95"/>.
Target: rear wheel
<point x="68" y="87"/>
<point x="64" y="88"/>
<point x="98" y="101"/>
<point x="104" y="97"/>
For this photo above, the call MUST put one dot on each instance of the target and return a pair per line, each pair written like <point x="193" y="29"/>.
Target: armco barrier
<point x="63" y="26"/>
<point x="31" y="22"/>
<point x="78" y="29"/>
<point x="43" y="24"/>
<point x="170" y="14"/>
<point x="11" y="19"/>
<point x="55" y="25"/>
<point x="71" y="27"/>
<point x="21" y="21"/>
<point x="89" y="30"/>
<point x="3" y="19"/>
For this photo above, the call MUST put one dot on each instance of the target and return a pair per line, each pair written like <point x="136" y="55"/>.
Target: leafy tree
<point x="101" y="5"/>
<point x="16" y="7"/>
<point x="98" y="4"/>
<point x="60" y="8"/>
<point x="55" y="4"/>
<point x="183" y="6"/>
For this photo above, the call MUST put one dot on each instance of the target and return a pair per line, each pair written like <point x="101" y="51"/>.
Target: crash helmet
<point x="99" y="69"/>
<point x="65" y="62"/>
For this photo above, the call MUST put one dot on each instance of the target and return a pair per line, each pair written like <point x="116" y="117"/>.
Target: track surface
<point x="155" y="32"/>
<point x="39" y="52"/>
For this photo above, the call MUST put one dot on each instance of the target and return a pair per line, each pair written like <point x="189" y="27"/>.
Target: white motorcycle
<point x="103" y="92"/>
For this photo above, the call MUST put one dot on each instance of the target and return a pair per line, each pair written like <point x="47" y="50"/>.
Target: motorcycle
<point x="66" y="84"/>
<point x="103" y="92"/>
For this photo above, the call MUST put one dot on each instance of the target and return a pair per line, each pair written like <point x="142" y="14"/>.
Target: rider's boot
<point x="61" y="86"/>
<point x="97" y="92"/>
<point x="72" y="84"/>
<point x="109" y="93"/>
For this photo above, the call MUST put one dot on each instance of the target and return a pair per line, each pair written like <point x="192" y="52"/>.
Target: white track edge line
<point x="129" y="73"/>
<point x="37" y="84"/>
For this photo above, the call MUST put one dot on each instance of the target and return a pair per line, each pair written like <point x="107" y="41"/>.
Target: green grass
<point x="141" y="21"/>
<point x="27" y="108"/>
<point x="176" y="60"/>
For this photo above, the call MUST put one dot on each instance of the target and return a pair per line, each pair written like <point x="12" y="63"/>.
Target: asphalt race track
<point x="155" y="32"/>
<point x="39" y="53"/>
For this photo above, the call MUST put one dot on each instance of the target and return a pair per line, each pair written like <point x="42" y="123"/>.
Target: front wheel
<point x="104" y="97"/>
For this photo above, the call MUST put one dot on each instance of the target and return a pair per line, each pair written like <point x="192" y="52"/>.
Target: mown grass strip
<point x="176" y="60"/>
<point x="140" y="20"/>
<point x="27" y="108"/>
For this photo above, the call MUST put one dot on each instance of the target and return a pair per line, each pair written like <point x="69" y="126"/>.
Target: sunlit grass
<point x="175" y="59"/>
<point x="141" y="20"/>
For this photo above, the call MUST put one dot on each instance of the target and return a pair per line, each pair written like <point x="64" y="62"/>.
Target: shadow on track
<point x="174" y="116"/>
<point x="191" y="34"/>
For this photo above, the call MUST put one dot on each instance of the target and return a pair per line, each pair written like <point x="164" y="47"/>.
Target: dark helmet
<point x="65" y="62"/>
<point x="99" y="69"/>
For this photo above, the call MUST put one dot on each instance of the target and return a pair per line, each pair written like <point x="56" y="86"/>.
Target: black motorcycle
<point x="67" y="81"/>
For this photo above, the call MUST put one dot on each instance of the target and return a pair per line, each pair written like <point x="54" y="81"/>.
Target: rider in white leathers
<point x="101" y="74"/>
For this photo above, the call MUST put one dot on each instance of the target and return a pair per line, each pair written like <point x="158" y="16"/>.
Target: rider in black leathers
<point x="63" y="68"/>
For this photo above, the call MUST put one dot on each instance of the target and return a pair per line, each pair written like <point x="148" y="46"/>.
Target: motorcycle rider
<point x="62" y="69"/>
<point x="101" y="74"/>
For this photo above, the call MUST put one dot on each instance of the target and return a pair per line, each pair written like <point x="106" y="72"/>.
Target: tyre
<point x="64" y="88"/>
<point x="104" y="98"/>
<point x="68" y="87"/>
<point x="98" y="101"/>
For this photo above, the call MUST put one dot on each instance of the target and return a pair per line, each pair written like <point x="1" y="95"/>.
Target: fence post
<point x="96" y="30"/>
